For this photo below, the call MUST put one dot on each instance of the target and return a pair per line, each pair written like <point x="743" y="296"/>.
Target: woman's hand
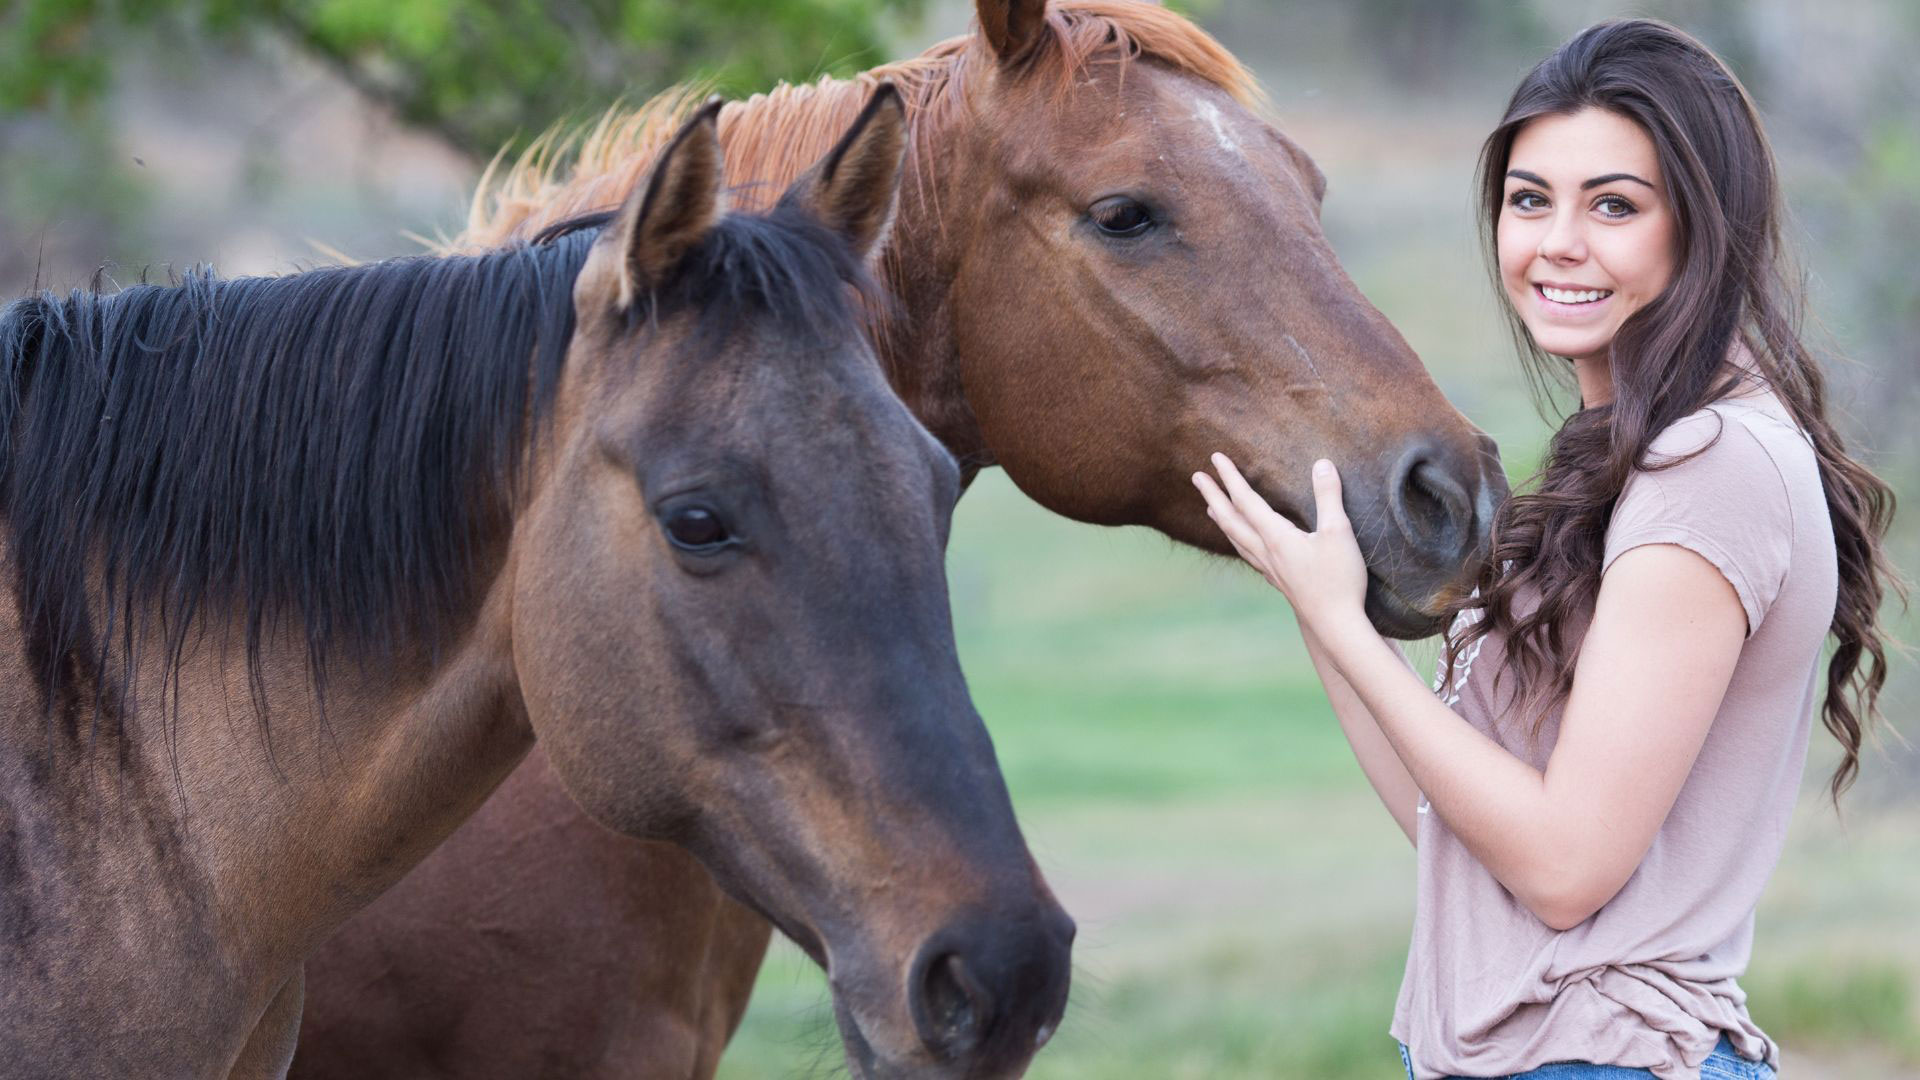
<point x="1321" y="573"/>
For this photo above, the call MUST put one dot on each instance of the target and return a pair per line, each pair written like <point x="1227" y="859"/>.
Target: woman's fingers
<point x="1247" y="543"/>
<point x="1274" y="530"/>
<point x="1326" y="497"/>
<point x="1251" y="558"/>
<point x="1314" y="569"/>
<point x="1244" y="497"/>
<point x="1236" y="486"/>
<point x="1216" y="499"/>
<point x="1243" y="536"/>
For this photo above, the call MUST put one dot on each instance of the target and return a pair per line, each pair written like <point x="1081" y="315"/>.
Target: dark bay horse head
<point x="730" y="616"/>
<point x="1110" y="265"/>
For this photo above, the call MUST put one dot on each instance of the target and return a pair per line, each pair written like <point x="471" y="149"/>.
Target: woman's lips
<point x="1563" y="311"/>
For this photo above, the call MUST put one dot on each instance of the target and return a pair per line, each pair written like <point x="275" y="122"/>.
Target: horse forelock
<point x="774" y="136"/>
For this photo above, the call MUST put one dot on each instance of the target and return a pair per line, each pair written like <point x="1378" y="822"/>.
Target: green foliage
<point x="479" y="72"/>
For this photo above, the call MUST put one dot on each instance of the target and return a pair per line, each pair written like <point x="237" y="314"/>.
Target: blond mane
<point x="771" y="137"/>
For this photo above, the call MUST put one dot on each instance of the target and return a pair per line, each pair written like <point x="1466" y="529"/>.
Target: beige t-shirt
<point x="1649" y="981"/>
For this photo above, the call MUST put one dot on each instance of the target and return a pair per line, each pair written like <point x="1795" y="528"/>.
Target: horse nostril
<point x="1430" y="507"/>
<point x="1424" y="504"/>
<point x="953" y="1006"/>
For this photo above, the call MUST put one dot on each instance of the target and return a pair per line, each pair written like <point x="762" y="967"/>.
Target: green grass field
<point x="1243" y="901"/>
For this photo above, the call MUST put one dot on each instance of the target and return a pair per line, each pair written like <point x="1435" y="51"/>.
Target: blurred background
<point x="1244" y="902"/>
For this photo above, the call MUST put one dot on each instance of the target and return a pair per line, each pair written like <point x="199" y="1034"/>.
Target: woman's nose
<point x="1563" y="241"/>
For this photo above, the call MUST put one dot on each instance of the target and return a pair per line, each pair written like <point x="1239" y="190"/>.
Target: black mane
<point x="322" y="450"/>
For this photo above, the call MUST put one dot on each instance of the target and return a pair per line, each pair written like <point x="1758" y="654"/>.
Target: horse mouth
<point x="1395" y="616"/>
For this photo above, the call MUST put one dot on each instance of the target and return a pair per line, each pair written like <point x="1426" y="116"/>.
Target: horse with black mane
<point x="298" y="568"/>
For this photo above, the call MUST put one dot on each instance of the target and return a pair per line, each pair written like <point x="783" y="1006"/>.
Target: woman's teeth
<point x="1573" y="296"/>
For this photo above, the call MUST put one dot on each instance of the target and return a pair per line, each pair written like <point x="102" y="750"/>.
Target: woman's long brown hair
<point x="1670" y="359"/>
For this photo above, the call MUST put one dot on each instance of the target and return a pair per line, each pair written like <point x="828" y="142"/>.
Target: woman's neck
<point x="1594" y="374"/>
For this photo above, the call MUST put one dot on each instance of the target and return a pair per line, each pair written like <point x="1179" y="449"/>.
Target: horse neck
<point x="916" y="340"/>
<point x="286" y="823"/>
<point x="195" y="867"/>
<point x="161" y="783"/>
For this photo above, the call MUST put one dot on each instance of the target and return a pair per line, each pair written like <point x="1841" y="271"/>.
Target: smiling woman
<point x="1602" y="793"/>
<point x="1586" y="235"/>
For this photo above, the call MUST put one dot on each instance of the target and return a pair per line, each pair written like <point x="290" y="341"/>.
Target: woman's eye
<point x="1527" y="200"/>
<point x="696" y="529"/>
<point x="1613" y="206"/>
<point x="1120" y="216"/>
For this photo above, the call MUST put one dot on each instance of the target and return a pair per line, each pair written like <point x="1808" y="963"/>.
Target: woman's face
<point x="1586" y="235"/>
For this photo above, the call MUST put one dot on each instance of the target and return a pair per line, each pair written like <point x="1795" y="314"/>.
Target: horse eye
<point x="697" y="530"/>
<point x="1120" y="216"/>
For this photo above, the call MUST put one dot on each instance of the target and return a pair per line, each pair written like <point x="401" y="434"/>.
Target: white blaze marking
<point x="1211" y="114"/>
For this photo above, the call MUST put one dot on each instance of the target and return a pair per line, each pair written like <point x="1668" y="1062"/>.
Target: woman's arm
<point x="1377" y="757"/>
<point x="1665" y="636"/>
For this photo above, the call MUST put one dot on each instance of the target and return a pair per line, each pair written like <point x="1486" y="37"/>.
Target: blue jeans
<point x="1722" y="1064"/>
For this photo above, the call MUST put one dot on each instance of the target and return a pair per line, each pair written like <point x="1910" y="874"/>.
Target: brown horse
<point x="298" y="568"/>
<point x="1108" y="264"/>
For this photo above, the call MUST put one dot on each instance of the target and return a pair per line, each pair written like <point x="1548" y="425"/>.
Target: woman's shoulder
<point x="1716" y="471"/>
<point x="1750" y="441"/>
<point x="1737" y="483"/>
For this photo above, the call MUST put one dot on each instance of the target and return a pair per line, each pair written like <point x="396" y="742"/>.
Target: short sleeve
<point x="1726" y="503"/>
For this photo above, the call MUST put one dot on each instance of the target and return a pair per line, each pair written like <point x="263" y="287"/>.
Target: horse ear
<point x="1011" y="27"/>
<point x="672" y="210"/>
<point x="853" y="189"/>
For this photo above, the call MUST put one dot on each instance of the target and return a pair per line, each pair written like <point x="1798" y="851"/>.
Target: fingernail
<point x="1323" y="467"/>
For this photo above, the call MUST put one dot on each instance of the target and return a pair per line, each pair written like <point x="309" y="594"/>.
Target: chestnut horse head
<point x="1110" y="264"/>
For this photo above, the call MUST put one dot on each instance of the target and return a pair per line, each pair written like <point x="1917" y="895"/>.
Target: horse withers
<point x="299" y="567"/>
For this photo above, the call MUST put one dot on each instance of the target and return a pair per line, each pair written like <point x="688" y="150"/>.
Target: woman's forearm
<point x="1382" y="766"/>
<point x="1666" y="635"/>
<point x="1496" y="803"/>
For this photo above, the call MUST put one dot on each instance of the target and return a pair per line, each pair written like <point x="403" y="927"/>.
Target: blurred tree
<point x="478" y="72"/>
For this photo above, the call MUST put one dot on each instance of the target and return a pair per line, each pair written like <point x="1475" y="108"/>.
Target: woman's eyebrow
<point x="1532" y="178"/>
<point x="1610" y="178"/>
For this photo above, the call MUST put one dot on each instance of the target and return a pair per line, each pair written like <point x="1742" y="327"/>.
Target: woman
<point x="1603" y="786"/>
